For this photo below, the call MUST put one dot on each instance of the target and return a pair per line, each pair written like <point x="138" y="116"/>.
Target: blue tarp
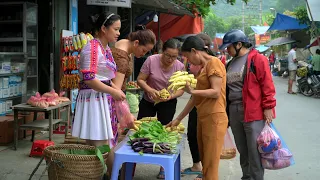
<point x="220" y="35"/>
<point x="262" y="48"/>
<point x="284" y="23"/>
<point x="260" y="29"/>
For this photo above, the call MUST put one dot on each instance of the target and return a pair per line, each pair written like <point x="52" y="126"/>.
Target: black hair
<point x="206" y="38"/>
<point x="196" y="43"/>
<point x="171" y="43"/>
<point x="244" y="44"/>
<point x="105" y="18"/>
<point x="318" y="51"/>
<point x="294" y="46"/>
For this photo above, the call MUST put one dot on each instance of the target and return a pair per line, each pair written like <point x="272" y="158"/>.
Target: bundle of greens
<point x="152" y="137"/>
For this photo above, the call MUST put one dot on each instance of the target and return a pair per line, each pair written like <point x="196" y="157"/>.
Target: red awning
<point x="172" y="26"/>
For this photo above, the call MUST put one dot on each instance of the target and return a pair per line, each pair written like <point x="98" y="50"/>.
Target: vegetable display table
<point x="124" y="154"/>
<point x="46" y="124"/>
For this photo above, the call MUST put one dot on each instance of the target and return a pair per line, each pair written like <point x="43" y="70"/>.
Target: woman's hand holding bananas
<point x="164" y="96"/>
<point x="181" y="79"/>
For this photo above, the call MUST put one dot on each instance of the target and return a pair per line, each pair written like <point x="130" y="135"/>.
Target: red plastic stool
<point x="38" y="146"/>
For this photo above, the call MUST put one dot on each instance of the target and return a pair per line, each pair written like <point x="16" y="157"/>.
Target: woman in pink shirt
<point x="154" y="76"/>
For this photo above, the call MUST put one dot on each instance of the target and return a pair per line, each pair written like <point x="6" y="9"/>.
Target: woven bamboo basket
<point x="62" y="166"/>
<point x="73" y="140"/>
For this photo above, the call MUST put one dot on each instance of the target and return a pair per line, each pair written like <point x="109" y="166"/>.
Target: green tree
<point x="214" y="24"/>
<point x="283" y="5"/>
<point x="201" y="6"/>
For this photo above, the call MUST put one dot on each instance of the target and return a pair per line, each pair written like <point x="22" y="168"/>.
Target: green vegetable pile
<point x="133" y="101"/>
<point x="155" y="132"/>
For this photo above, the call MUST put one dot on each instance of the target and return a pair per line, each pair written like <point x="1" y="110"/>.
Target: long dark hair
<point x="104" y="18"/>
<point x="196" y="43"/>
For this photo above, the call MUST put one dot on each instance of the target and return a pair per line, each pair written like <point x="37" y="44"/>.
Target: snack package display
<point x="268" y="140"/>
<point x="229" y="149"/>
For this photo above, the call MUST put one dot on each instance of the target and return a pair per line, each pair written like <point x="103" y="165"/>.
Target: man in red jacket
<point x="250" y="98"/>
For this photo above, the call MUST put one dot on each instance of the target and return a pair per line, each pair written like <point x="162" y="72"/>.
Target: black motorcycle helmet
<point x="233" y="37"/>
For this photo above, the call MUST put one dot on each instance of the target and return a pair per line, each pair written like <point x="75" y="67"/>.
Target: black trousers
<point x="192" y="135"/>
<point x="165" y="110"/>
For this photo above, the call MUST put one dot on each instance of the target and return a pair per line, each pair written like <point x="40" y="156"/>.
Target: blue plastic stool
<point x="124" y="154"/>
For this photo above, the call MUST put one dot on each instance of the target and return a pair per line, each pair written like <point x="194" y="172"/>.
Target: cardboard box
<point x="7" y="129"/>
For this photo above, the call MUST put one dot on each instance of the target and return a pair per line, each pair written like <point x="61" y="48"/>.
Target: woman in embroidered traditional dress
<point x="95" y="119"/>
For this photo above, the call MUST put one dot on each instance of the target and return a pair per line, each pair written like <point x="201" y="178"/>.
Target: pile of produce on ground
<point x="152" y="137"/>
<point x="179" y="80"/>
<point x="47" y="99"/>
<point x="132" y="85"/>
<point x="133" y="101"/>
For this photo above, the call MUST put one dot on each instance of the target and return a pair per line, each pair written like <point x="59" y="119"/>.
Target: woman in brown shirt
<point x="209" y="97"/>
<point x="138" y="43"/>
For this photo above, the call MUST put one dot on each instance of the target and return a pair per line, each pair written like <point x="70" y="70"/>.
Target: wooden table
<point x="46" y="124"/>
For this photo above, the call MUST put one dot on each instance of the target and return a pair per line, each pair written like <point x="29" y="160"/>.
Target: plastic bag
<point x="268" y="140"/>
<point x="229" y="149"/>
<point x="124" y="116"/>
<point x="133" y="101"/>
<point x="279" y="159"/>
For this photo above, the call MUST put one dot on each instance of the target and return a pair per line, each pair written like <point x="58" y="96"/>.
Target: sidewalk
<point x="17" y="165"/>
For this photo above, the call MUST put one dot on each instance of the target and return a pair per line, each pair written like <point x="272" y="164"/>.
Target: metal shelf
<point x="11" y="74"/>
<point x="11" y="97"/>
<point x="11" y="22"/>
<point x="32" y="76"/>
<point x="33" y="58"/>
<point x="12" y="53"/>
<point x="14" y="39"/>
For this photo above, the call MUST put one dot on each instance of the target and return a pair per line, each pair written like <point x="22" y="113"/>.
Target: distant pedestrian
<point x="292" y="66"/>
<point x="272" y="60"/>
<point x="316" y="62"/>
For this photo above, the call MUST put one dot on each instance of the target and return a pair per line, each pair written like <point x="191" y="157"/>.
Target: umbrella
<point x="280" y="41"/>
<point x="182" y="38"/>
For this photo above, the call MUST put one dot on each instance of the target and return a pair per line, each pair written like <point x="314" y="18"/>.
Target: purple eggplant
<point x="147" y="144"/>
<point x="137" y="149"/>
<point x="139" y="139"/>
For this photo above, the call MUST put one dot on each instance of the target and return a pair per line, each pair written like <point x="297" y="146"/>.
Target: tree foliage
<point x="202" y="6"/>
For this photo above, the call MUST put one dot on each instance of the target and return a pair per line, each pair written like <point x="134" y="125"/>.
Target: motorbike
<point x="308" y="83"/>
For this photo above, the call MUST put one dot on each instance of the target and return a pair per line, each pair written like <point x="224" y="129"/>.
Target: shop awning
<point x="163" y="6"/>
<point x="280" y="41"/>
<point x="260" y="29"/>
<point x="262" y="48"/>
<point x="285" y="23"/>
<point x="173" y="26"/>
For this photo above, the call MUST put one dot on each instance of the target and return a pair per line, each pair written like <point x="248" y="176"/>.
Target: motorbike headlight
<point x="309" y="81"/>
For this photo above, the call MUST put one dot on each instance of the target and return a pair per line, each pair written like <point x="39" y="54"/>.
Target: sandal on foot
<point x="200" y="176"/>
<point x="291" y="92"/>
<point x="161" y="175"/>
<point x="189" y="171"/>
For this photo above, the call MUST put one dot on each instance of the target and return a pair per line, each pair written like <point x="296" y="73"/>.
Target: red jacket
<point x="258" y="89"/>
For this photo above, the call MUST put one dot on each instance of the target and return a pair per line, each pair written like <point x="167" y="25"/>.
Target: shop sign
<point x="117" y="3"/>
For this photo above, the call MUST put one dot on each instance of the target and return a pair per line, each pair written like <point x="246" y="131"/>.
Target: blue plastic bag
<point x="278" y="159"/>
<point x="283" y="143"/>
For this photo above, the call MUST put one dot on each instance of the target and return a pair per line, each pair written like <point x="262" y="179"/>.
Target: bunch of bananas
<point x="179" y="80"/>
<point x="180" y="128"/>
<point x="164" y="94"/>
<point x="145" y="119"/>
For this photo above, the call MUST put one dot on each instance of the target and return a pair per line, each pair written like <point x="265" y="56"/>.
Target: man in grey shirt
<point x="292" y="66"/>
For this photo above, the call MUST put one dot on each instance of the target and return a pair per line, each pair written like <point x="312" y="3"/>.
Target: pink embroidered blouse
<point x="96" y="62"/>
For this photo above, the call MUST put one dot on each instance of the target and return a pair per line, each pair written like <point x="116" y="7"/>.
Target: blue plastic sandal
<point x="161" y="175"/>
<point x="189" y="171"/>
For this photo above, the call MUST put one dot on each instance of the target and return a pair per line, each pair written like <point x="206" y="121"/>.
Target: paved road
<point x="297" y="120"/>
